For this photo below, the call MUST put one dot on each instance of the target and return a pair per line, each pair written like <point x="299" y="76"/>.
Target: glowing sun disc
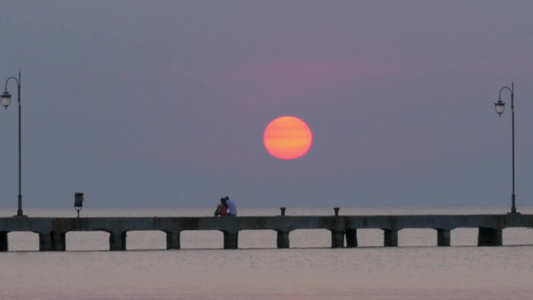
<point x="287" y="137"/>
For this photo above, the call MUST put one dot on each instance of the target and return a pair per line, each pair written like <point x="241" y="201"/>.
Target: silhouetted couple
<point x="226" y="208"/>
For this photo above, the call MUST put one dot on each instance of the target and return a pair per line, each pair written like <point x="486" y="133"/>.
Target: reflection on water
<point x="412" y="271"/>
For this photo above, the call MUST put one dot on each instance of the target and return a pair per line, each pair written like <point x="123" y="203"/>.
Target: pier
<point x="52" y="231"/>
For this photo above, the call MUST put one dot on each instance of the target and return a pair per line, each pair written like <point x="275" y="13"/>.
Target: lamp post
<point x="6" y="100"/>
<point x="499" y="106"/>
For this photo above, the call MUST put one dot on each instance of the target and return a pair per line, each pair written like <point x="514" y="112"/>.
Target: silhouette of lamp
<point x="6" y="100"/>
<point x="499" y="106"/>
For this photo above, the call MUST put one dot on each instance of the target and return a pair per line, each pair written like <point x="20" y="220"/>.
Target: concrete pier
<point x="52" y="231"/>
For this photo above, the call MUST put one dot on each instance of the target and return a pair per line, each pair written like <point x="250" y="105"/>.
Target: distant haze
<point x="164" y="103"/>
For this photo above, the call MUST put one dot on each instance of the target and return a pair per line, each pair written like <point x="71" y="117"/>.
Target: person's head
<point x="227" y="198"/>
<point x="223" y="201"/>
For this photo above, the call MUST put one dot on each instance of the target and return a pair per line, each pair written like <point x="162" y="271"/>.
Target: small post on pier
<point x="3" y="241"/>
<point x="283" y="210"/>
<point x="336" y="209"/>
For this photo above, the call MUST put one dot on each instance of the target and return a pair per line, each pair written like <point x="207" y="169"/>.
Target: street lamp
<point x="499" y="106"/>
<point x="6" y="100"/>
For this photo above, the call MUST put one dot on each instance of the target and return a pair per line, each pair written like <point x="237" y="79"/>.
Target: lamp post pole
<point x="500" y="107"/>
<point x="6" y="100"/>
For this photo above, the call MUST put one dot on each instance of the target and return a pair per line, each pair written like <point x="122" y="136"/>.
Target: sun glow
<point x="287" y="137"/>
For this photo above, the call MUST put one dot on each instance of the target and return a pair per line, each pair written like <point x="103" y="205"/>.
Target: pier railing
<point x="52" y="231"/>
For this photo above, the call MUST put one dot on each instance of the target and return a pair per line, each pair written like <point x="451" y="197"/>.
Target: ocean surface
<point x="309" y="270"/>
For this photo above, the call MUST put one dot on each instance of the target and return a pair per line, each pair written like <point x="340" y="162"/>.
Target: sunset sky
<point x="149" y="104"/>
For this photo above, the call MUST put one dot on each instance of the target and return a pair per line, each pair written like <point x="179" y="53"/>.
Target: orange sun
<point x="287" y="137"/>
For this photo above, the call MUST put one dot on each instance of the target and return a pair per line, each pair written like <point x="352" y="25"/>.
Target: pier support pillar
<point x="283" y="239"/>
<point x="390" y="237"/>
<point x="117" y="241"/>
<point x="443" y="237"/>
<point x="351" y="238"/>
<point x="3" y="241"/>
<point x="231" y="240"/>
<point x="45" y="241"/>
<point x="52" y="241"/>
<point x="337" y="239"/>
<point x="489" y="237"/>
<point x="173" y="240"/>
<point x="58" y="241"/>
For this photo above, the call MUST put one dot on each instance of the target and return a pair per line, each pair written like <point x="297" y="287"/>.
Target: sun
<point x="287" y="137"/>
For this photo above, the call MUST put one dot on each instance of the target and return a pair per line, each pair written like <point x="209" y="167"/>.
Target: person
<point x="231" y="207"/>
<point x="222" y="209"/>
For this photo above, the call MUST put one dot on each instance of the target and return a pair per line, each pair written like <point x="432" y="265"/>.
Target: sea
<point x="417" y="269"/>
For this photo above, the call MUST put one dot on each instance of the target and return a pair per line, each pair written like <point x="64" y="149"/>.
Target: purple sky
<point x="164" y="103"/>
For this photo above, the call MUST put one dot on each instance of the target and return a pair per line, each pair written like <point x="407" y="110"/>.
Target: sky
<point x="163" y="104"/>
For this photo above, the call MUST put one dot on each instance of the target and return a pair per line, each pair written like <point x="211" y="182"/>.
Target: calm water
<point x="201" y="270"/>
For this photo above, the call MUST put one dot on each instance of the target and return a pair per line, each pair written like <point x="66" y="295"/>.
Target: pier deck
<point x="343" y="229"/>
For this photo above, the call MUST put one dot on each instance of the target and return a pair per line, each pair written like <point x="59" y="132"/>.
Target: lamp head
<point x="79" y="198"/>
<point x="6" y="99"/>
<point x="499" y="106"/>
